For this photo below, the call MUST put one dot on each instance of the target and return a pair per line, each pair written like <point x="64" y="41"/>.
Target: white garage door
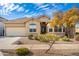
<point x="15" y="31"/>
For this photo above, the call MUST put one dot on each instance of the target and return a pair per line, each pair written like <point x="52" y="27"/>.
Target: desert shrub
<point x="36" y="37"/>
<point x="53" y="37"/>
<point x="47" y="37"/>
<point x="30" y="37"/>
<point x="56" y="37"/>
<point x="41" y="38"/>
<point x="18" y="42"/>
<point x="77" y="38"/>
<point x="65" y="38"/>
<point x="22" y="51"/>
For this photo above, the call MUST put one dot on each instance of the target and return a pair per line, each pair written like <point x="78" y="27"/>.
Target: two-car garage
<point x="15" y="31"/>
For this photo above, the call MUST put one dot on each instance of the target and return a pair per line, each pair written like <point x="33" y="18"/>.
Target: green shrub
<point x="30" y="37"/>
<point x="65" y="38"/>
<point x="47" y="37"/>
<point x="41" y="38"/>
<point x="53" y="37"/>
<point x="22" y="51"/>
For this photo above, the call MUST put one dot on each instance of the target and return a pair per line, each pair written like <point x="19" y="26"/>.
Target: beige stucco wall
<point x="77" y="30"/>
<point x="37" y="27"/>
<point x="15" y="31"/>
<point x="56" y="33"/>
<point x="14" y="24"/>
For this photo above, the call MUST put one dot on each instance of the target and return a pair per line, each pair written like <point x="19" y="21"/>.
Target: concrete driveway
<point x="6" y="42"/>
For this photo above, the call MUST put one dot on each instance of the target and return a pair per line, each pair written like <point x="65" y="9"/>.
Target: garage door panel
<point x="15" y="31"/>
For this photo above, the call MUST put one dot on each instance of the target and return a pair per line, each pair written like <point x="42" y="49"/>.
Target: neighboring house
<point x="2" y="20"/>
<point x="26" y="26"/>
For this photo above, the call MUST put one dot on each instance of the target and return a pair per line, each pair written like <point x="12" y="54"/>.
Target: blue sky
<point x="19" y="10"/>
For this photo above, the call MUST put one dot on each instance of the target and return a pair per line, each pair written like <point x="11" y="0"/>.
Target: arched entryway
<point x="43" y="26"/>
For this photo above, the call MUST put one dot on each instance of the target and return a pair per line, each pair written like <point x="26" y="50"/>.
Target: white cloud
<point x="2" y="4"/>
<point x="28" y="15"/>
<point x="13" y="8"/>
<point x="54" y="5"/>
<point x="42" y="6"/>
<point x="26" y="11"/>
<point x="39" y="4"/>
<point x="7" y="8"/>
<point x="20" y="9"/>
<point x="45" y="9"/>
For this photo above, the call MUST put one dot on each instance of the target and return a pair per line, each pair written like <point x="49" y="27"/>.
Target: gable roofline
<point x="18" y="20"/>
<point x="2" y="19"/>
<point x="25" y="19"/>
<point x="43" y="16"/>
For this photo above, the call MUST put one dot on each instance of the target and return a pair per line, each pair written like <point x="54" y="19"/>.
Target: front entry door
<point x="43" y="27"/>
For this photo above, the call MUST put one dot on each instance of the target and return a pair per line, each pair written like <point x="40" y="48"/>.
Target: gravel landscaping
<point x="25" y="40"/>
<point x="41" y="52"/>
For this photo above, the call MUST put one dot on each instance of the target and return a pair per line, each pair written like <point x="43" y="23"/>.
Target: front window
<point x="60" y="29"/>
<point x="57" y="29"/>
<point x="50" y="30"/>
<point x="32" y="28"/>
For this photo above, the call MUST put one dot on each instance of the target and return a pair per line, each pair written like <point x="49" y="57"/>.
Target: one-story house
<point x="26" y="26"/>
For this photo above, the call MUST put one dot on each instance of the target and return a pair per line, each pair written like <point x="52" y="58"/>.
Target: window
<point x="50" y="30"/>
<point x="32" y="30"/>
<point x="57" y="29"/>
<point x="60" y="29"/>
<point x="32" y="27"/>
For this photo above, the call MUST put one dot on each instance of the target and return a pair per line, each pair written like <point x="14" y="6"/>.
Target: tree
<point x="56" y="21"/>
<point x="68" y="20"/>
